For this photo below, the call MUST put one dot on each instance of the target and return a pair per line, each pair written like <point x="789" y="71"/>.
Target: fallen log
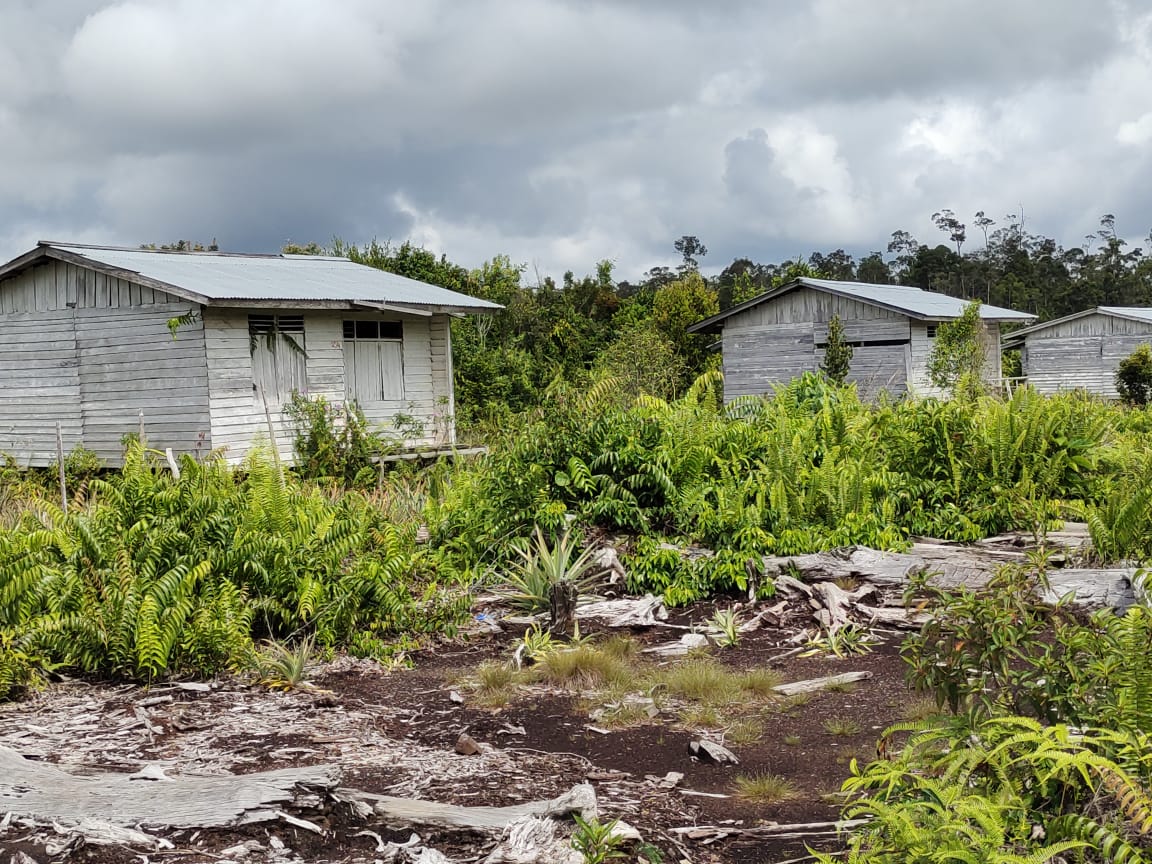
<point x="948" y="566"/>
<point x="645" y="611"/>
<point x="580" y="800"/>
<point x="46" y="793"/>
<point x="814" y="684"/>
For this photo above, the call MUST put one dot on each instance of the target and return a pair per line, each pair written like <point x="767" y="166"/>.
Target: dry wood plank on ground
<point x="45" y="793"/>
<point x="580" y="800"/>
<point x="950" y="565"/>
<point x="814" y="684"/>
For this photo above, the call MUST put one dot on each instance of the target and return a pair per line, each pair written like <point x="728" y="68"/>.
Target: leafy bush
<point x="332" y="441"/>
<point x="1004" y="791"/>
<point x="160" y="575"/>
<point x="1134" y="377"/>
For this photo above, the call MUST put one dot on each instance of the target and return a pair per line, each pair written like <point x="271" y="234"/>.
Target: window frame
<point x="373" y="331"/>
<point x="269" y="328"/>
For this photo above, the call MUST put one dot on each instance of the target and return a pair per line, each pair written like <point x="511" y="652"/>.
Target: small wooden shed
<point x="773" y="338"/>
<point x="87" y="341"/>
<point x="1081" y="351"/>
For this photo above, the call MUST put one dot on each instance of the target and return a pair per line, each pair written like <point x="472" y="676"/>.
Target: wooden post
<point x="271" y="435"/>
<point x="140" y="431"/>
<point x="172" y="463"/>
<point x="60" y="465"/>
<point x="562" y="600"/>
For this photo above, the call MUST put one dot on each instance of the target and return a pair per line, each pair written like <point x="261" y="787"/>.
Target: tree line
<point x="636" y="330"/>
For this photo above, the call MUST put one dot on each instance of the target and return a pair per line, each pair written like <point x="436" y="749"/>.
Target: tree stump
<point x="562" y="599"/>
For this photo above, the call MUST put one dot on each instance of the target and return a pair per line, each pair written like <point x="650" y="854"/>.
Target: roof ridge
<point x="207" y="253"/>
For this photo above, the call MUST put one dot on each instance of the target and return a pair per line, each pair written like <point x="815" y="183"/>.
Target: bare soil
<point x="394" y="731"/>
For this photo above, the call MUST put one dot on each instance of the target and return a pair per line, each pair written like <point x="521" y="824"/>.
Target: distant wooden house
<point x="85" y="341"/>
<point x="773" y="338"/>
<point x="1081" y="351"/>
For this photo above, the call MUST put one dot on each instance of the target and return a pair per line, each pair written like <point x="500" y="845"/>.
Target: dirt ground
<point x="394" y="732"/>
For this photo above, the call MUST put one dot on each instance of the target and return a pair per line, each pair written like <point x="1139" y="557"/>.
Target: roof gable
<point x="913" y="302"/>
<point x="1130" y="313"/>
<point x="213" y="278"/>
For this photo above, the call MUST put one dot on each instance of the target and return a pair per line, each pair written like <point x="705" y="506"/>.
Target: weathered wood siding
<point x="39" y="384"/>
<point x="93" y="351"/>
<point x="1083" y="354"/>
<point x="772" y="343"/>
<point x="129" y="363"/>
<point x="919" y="350"/>
<point x="238" y="418"/>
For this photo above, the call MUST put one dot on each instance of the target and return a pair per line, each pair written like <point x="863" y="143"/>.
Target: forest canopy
<point x="578" y="325"/>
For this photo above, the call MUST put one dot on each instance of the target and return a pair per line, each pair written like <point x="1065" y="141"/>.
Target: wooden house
<point x="208" y="348"/>
<point x="1081" y="351"/>
<point x="773" y="338"/>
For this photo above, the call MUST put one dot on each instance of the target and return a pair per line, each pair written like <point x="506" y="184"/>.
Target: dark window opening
<point x="391" y="330"/>
<point x="868" y="343"/>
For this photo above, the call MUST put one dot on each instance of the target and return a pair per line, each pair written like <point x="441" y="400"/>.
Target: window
<point x="931" y="331"/>
<point x="374" y="361"/>
<point x="279" y="362"/>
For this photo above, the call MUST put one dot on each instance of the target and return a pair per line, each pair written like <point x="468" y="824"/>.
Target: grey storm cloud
<point x="562" y="132"/>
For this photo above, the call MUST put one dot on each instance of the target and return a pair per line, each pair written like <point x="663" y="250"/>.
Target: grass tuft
<point x="764" y="788"/>
<point x="744" y="732"/>
<point x="584" y="667"/>
<point x="841" y="726"/>
<point x="495" y="684"/>
<point x="702" y="680"/>
<point x="920" y="709"/>
<point x="760" y="681"/>
<point x="701" y="715"/>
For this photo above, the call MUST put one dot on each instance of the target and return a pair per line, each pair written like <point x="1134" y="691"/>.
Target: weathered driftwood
<point x="949" y="565"/>
<point x="682" y="647"/>
<point x="814" y="684"/>
<point x="710" y="751"/>
<point x="534" y="841"/>
<point x="891" y="616"/>
<point x="45" y="793"/>
<point x="411" y="811"/>
<point x="711" y="833"/>
<point x="837" y="603"/>
<point x="645" y="611"/>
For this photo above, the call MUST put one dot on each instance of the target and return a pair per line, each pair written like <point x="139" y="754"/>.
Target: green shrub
<point x="332" y="441"/>
<point x="1134" y="377"/>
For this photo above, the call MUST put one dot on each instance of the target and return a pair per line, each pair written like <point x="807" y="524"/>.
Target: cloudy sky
<point x="562" y="132"/>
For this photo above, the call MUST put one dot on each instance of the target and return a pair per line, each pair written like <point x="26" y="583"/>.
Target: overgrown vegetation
<point x="1134" y="377"/>
<point x="1046" y="751"/>
<point x="155" y="575"/>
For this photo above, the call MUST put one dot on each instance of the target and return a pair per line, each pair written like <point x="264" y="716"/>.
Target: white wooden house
<point x="86" y="342"/>
<point x="776" y="336"/>
<point x="1081" y="351"/>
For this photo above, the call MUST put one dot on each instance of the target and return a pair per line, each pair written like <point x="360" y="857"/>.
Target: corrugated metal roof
<point x="286" y="278"/>
<point x="916" y="301"/>
<point x="1132" y="313"/>
<point x="1140" y="312"/>
<point x="913" y="302"/>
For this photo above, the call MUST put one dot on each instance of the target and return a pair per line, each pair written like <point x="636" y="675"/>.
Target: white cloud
<point x="564" y="132"/>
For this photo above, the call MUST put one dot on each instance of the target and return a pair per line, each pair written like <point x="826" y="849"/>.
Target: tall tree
<point x="690" y="247"/>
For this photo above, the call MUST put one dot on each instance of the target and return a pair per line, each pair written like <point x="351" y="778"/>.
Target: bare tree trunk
<point x="563" y="606"/>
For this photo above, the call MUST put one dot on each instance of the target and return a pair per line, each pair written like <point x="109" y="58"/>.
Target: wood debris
<point x="814" y="684"/>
